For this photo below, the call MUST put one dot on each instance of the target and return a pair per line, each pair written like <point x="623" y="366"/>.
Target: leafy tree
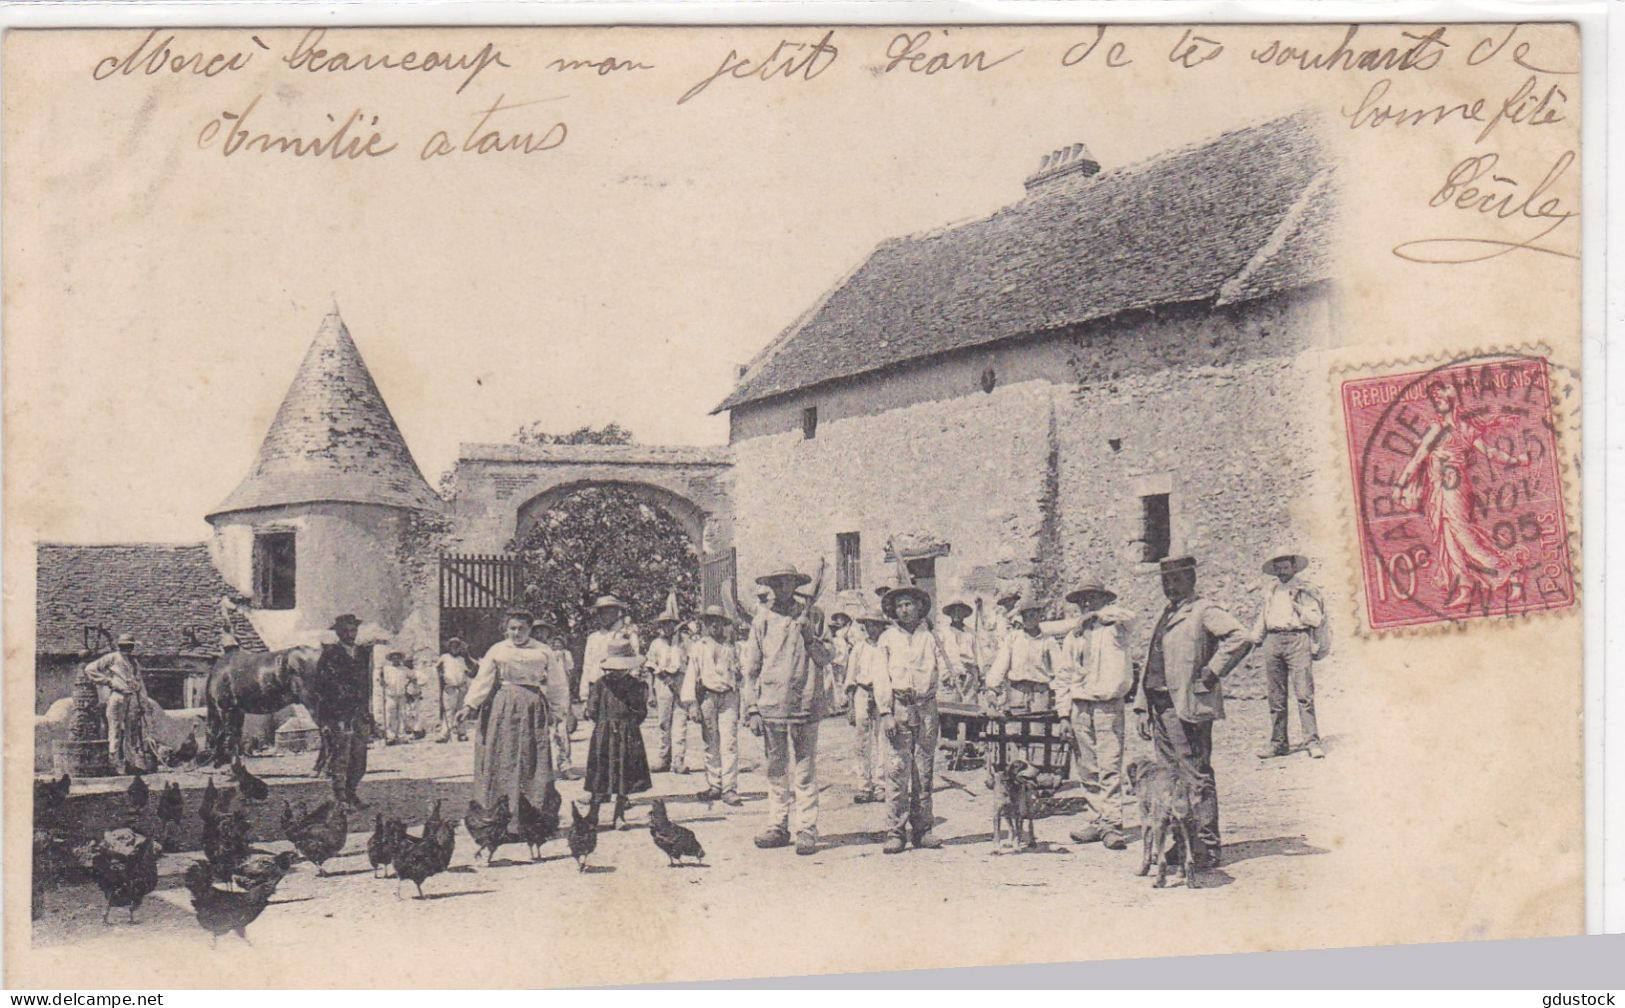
<point x="603" y="540"/>
<point x="610" y="434"/>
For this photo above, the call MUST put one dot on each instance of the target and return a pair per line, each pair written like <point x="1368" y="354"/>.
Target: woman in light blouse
<point x="512" y="755"/>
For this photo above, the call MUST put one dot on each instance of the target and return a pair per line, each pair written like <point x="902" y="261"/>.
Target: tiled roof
<point x="333" y="438"/>
<point x="157" y="591"/>
<point x="1083" y="247"/>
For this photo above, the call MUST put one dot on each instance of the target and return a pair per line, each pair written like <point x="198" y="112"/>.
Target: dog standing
<point x="1167" y="802"/>
<point x="1014" y="801"/>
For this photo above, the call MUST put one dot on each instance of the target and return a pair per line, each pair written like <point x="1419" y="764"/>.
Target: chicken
<point x="249" y="787"/>
<point x="489" y="829"/>
<point x="225" y="839"/>
<point x="170" y="807"/>
<point x="319" y="835"/>
<point x="583" y="833"/>
<point x="53" y="856"/>
<point x="421" y="858"/>
<point x="538" y="827"/>
<point x="260" y="867"/>
<point x="184" y="753"/>
<point x="125" y="866"/>
<point x="677" y="841"/>
<point x="381" y="845"/>
<point x="211" y="798"/>
<point x="50" y="795"/>
<point x="219" y="910"/>
<point x="137" y="793"/>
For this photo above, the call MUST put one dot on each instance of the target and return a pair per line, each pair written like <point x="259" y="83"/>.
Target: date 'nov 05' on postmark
<point x="1459" y="493"/>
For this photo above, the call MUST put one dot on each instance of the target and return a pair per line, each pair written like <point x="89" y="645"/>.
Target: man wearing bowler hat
<point x="1291" y="628"/>
<point x="1093" y="674"/>
<point x="344" y="689"/>
<point x="784" y="700"/>
<point x="1193" y="647"/>
<point x="905" y="687"/>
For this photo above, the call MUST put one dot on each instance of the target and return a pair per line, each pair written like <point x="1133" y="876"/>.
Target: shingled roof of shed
<point x="157" y="591"/>
<point x="1247" y="209"/>
<point x="333" y="438"/>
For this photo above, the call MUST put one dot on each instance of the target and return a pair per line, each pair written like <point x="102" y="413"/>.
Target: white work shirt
<point x="712" y="664"/>
<point x="913" y="661"/>
<point x="597" y="647"/>
<point x="1291" y="606"/>
<point x="665" y="657"/>
<point x="1022" y="658"/>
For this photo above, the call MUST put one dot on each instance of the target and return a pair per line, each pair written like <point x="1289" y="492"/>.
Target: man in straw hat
<point x="865" y="664"/>
<point x="1019" y="678"/>
<point x="453" y="669"/>
<point x="1093" y="673"/>
<point x="960" y="645"/>
<point x="783" y="703"/>
<point x="614" y="627"/>
<point x="344" y="696"/>
<point x="1193" y="647"/>
<point x="841" y="635"/>
<point x="117" y="675"/>
<point x="906" y="685"/>
<point x="1292" y="630"/>
<point x="711" y="688"/>
<point x="664" y="664"/>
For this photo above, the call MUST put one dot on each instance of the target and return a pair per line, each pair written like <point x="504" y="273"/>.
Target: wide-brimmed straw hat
<point x="1299" y="561"/>
<point x="957" y="605"/>
<point x="1091" y="588"/>
<point x="888" y="604"/>
<point x="786" y="573"/>
<point x="840" y="615"/>
<point x="1011" y="596"/>
<point x="1178" y="563"/>
<point x="125" y="640"/>
<point x="622" y="657"/>
<point x="669" y="614"/>
<point x="609" y="602"/>
<point x="716" y="612"/>
<point x="872" y="615"/>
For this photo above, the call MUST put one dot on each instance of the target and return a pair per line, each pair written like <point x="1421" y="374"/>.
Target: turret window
<point x="274" y="565"/>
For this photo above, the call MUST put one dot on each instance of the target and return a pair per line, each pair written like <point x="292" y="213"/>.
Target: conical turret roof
<point x="333" y="438"/>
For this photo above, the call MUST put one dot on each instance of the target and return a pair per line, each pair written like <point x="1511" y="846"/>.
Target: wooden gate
<point x="476" y="590"/>
<point x="718" y="584"/>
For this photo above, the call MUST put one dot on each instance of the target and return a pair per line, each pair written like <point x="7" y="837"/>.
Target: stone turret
<point x="323" y="522"/>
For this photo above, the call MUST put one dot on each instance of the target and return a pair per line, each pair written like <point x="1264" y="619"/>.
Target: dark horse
<point x="255" y="682"/>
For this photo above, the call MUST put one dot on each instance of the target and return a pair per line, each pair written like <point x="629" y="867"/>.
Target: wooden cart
<point x="1044" y="740"/>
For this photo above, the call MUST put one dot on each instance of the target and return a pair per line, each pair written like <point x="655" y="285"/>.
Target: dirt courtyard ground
<point x="747" y="911"/>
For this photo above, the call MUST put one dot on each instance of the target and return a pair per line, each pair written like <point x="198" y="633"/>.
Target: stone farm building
<point x="169" y="596"/>
<point x="1104" y="373"/>
<point x="333" y="516"/>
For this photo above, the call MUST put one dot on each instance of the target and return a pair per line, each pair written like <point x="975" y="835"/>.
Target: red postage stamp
<point x="1460" y="498"/>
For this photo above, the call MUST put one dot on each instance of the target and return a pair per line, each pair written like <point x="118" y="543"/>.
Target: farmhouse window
<point x="809" y="422"/>
<point x="1156" y="527"/>
<point x="848" y="568"/>
<point x="922" y="573"/>
<point x="274" y="570"/>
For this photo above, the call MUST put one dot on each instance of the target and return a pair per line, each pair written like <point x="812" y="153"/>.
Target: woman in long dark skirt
<point x="513" y="754"/>
<point x="616" y="762"/>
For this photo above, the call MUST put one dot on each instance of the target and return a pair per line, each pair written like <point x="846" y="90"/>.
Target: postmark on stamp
<point x="1458" y="490"/>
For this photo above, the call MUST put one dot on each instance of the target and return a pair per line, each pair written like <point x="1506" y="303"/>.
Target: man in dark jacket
<point x="1194" y="646"/>
<point x="343" y="692"/>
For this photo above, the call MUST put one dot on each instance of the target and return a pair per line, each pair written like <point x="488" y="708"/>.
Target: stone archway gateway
<point x="499" y="486"/>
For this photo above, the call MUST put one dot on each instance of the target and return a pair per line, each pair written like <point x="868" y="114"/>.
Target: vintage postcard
<point x="596" y="505"/>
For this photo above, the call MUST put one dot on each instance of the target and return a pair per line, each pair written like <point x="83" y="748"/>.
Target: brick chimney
<point x="1064" y="163"/>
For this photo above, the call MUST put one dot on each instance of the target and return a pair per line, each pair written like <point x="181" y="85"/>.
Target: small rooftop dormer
<point x="1064" y="163"/>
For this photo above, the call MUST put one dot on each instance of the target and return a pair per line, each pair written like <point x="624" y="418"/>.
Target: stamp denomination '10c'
<point x="1460" y="498"/>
